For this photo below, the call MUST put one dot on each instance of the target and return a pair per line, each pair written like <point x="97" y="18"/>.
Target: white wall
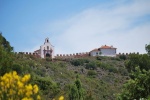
<point x="108" y="52"/>
<point x="45" y="46"/>
<point x="104" y="52"/>
<point x="94" y="53"/>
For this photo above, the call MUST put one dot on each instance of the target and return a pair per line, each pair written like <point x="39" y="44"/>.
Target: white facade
<point x="104" y="51"/>
<point x="46" y="50"/>
<point x="95" y="52"/>
<point x="108" y="52"/>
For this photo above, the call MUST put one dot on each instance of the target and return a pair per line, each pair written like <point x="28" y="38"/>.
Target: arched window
<point x="47" y="40"/>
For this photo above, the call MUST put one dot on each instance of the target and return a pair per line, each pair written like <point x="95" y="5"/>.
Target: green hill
<point x="102" y="79"/>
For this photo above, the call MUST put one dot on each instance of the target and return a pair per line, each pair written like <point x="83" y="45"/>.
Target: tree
<point x="138" y="87"/>
<point x="6" y="56"/>
<point x="76" y="91"/>
<point x="5" y="44"/>
<point x="143" y="61"/>
<point x="147" y="48"/>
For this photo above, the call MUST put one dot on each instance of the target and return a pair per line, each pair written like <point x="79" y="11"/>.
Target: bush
<point x="14" y="87"/>
<point x="79" y="62"/>
<point x="91" y="65"/>
<point x="108" y="67"/>
<point x="123" y="57"/>
<point x="98" y="58"/>
<point x="17" y="68"/>
<point x="123" y="71"/>
<point x="47" y="86"/>
<point x="92" y="73"/>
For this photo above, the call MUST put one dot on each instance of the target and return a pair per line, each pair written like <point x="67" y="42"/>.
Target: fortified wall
<point x="126" y="54"/>
<point x="74" y="55"/>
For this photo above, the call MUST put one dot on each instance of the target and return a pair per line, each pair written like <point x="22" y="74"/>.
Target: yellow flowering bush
<point x="61" y="98"/>
<point x="14" y="87"/>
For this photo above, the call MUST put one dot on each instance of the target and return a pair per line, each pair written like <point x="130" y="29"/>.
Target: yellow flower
<point x="35" y="89"/>
<point x="14" y="73"/>
<point x="14" y="87"/>
<point x="61" y="98"/>
<point x="20" y="84"/>
<point x="2" y="83"/>
<point x="25" y="98"/>
<point x="29" y="87"/>
<point x="26" y="78"/>
<point x="11" y="91"/>
<point x="38" y="97"/>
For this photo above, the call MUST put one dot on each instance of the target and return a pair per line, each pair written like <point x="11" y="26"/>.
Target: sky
<point x="75" y="26"/>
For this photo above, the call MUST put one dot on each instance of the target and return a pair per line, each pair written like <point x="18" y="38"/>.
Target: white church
<point x="46" y="50"/>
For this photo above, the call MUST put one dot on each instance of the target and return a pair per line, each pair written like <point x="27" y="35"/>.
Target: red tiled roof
<point x="107" y="47"/>
<point x="94" y="50"/>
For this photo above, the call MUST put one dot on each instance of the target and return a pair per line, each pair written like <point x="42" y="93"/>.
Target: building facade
<point x="46" y="50"/>
<point x="104" y="51"/>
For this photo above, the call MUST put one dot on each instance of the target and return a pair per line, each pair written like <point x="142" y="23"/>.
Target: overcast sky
<point x="76" y="25"/>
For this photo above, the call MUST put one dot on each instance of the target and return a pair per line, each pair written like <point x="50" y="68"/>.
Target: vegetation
<point x="147" y="48"/>
<point x="76" y="91"/>
<point x="137" y="87"/>
<point x="14" y="87"/>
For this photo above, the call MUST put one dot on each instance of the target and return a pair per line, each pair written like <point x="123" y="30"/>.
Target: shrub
<point x="17" y="68"/>
<point x="79" y="62"/>
<point x="91" y="65"/>
<point x="98" y="58"/>
<point x="14" y="87"/>
<point x="47" y="86"/>
<point x="123" y="57"/>
<point x="91" y="73"/>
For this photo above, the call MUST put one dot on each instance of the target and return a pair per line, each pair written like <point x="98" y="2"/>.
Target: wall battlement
<point x="29" y="53"/>
<point x="126" y="54"/>
<point x="74" y="55"/>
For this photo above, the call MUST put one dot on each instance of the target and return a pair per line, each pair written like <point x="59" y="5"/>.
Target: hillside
<point x="101" y="77"/>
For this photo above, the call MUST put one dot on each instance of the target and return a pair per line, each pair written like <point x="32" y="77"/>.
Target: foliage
<point x="123" y="57"/>
<point x="6" y="56"/>
<point x="61" y="98"/>
<point x="76" y="91"/>
<point x="143" y="61"/>
<point x="47" y="86"/>
<point x="123" y="71"/>
<point x="14" y="87"/>
<point x="5" y="44"/>
<point x="108" y="67"/>
<point x="91" y="65"/>
<point x="147" y="48"/>
<point x="79" y="62"/>
<point x="98" y="58"/>
<point x="138" y="87"/>
<point x="92" y="73"/>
